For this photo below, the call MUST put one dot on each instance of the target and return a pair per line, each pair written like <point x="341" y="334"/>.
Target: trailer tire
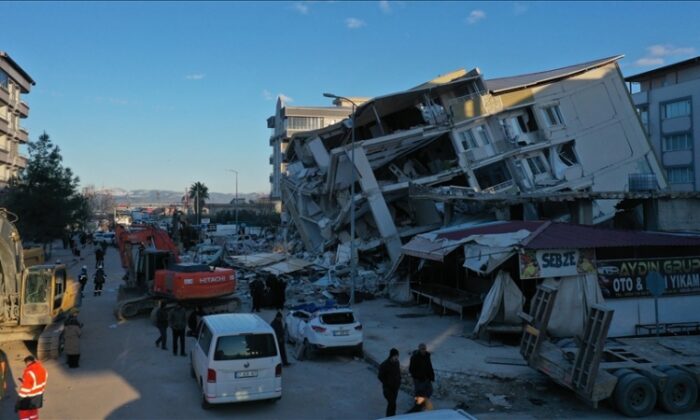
<point x="635" y="395"/>
<point x="680" y="393"/>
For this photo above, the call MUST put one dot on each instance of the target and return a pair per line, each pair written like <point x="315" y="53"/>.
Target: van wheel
<point x="206" y="405"/>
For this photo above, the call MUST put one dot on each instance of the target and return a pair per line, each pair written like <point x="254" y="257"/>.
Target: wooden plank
<point x="505" y="361"/>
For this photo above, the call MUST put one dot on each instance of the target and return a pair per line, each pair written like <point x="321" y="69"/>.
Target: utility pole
<point x="235" y="200"/>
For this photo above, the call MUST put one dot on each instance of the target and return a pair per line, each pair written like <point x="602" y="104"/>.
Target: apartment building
<point x="14" y="82"/>
<point x="289" y="120"/>
<point x="666" y="98"/>
<point x="568" y="129"/>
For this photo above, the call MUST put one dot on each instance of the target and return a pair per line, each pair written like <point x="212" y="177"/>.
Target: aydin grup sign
<point x="628" y="278"/>
<point x="543" y="263"/>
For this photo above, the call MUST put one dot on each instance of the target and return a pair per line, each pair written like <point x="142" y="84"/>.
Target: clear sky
<point x="160" y="95"/>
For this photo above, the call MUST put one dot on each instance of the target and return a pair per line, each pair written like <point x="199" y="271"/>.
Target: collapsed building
<point x="569" y="129"/>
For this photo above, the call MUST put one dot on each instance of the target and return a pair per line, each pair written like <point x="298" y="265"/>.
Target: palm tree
<point x="199" y="192"/>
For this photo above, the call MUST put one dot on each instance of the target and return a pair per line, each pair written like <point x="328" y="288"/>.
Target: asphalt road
<point x="122" y="374"/>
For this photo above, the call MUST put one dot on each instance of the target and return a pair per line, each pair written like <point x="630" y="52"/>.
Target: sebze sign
<point x="628" y="278"/>
<point x="555" y="263"/>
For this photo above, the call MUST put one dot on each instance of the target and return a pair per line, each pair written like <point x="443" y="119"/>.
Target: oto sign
<point x="649" y="277"/>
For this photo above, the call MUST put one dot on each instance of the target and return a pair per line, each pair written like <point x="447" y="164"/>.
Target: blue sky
<point x="160" y="95"/>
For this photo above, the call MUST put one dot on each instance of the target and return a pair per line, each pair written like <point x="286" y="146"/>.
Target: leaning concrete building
<point x="569" y="129"/>
<point x="14" y="82"/>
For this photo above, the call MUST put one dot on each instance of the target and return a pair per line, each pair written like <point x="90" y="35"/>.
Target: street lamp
<point x="238" y="228"/>
<point x="353" y="259"/>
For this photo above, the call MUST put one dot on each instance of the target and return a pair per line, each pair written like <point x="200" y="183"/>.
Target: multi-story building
<point x="666" y="98"/>
<point x="14" y="82"/>
<point x="568" y="129"/>
<point x="289" y="120"/>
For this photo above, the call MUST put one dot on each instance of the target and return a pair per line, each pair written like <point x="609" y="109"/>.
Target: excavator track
<point x="50" y="342"/>
<point x="129" y="308"/>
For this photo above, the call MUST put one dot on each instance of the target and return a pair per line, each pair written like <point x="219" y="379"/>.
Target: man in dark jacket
<point x="257" y="290"/>
<point x="162" y="325"/>
<point x="421" y="369"/>
<point x="100" y="278"/>
<point x="177" y="319"/>
<point x="278" y="325"/>
<point x="390" y="377"/>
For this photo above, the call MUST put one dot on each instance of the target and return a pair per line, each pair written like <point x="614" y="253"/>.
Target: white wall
<point x="632" y="311"/>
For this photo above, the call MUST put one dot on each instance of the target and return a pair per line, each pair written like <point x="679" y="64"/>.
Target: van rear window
<point x="248" y="346"/>
<point x="338" y="318"/>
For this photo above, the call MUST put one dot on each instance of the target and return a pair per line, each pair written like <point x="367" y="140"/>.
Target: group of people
<point x="421" y="370"/>
<point x="275" y="289"/>
<point x="176" y="319"/>
<point x="99" y="280"/>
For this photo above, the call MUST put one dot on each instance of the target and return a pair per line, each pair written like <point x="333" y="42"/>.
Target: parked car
<point x="236" y="358"/>
<point x="108" y="237"/>
<point x="324" y="329"/>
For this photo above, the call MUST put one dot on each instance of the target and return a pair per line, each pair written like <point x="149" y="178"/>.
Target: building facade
<point x="289" y="120"/>
<point x="14" y="82"/>
<point x="666" y="99"/>
<point x="568" y="129"/>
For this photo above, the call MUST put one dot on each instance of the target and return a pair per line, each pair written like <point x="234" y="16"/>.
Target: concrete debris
<point x="498" y="400"/>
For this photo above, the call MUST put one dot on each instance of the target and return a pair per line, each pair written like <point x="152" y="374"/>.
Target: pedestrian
<point x="104" y="245"/>
<point x="193" y="321"/>
<point x="177" y="319"/>
<point x="31" y="392"/>
<point x="83" y="278"/>
<point x="162" y="324"/>
<point x="71" y="335"/>
<point x="421" y="370"/>
<point x="278" y="325"/>
<point x="99" y="257"/>
<point x="257" y="289"/>
<point x="281" y="293"/>
<point x="100" y="278"/>
<point x="390" y="377"/>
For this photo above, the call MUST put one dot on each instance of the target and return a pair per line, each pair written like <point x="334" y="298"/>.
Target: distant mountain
<point x="122" y="196"/>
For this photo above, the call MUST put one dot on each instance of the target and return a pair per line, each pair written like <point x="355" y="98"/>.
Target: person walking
<point x="31" y="392"/>
<point x="83" y="278"/>
<point x="421" y="370"/>
<point x="177" y="319"/>
<point x="162" y="325"/>
<point x="390" y="377"/>
<point x="99" y="257"/>
<point x="71" y="334"/>
<point x="100" y="278"/>
<point x="278" y="325"/>
<point x="257" y="289"/>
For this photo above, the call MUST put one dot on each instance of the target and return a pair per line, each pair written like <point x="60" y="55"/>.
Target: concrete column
<point x="377" y="204"/>
<point x="650" y="208"/>
<point x="583" y="212"/>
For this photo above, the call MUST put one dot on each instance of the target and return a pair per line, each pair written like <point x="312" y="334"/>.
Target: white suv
<point x="324" y="329"/>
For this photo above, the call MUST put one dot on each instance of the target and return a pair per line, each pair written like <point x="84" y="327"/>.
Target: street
<point x="122" y="375"/>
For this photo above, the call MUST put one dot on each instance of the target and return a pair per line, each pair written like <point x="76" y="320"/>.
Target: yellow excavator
<point x="34" y="297"/>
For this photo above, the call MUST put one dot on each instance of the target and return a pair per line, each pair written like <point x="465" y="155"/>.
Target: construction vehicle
<point x="635" y="374"/>
<point x="153" y="273"/>
<point x="34" y="297"/>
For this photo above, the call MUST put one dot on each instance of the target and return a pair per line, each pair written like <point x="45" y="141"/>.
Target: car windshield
<point x="338" y="318"/>
<point x="248" y="346"/>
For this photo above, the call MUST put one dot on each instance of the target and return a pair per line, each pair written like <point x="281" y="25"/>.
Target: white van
<point x="236" y="358"/>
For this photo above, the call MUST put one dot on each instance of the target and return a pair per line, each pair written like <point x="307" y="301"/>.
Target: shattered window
<point x="567" y="154"/>
<point x="537" y="166"/>
<point x="483" y="135"/>
<point x="553" y="116"/>
<point x="467" y="139"/>
<point x="4" y="79"/>
<point x="675" y="109"/>
<point x="673" y="142"/>
<point x="680" y="175"/>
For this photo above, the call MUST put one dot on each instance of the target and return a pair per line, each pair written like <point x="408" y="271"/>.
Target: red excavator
<point x="154" y="273"/>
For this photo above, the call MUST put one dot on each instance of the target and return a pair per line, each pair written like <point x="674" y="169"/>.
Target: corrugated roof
<point x="670" y="67"/>
<point x="553" y="235"/>
<point x="525" y="80"/>
<point x="566" y="235"/>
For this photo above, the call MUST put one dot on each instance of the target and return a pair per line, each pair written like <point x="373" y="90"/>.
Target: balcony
<point x="23" y="109"/>
<point x="20" y="161"/>
<point x="4" y="126"/>
<point x="22" y="135"/>
<point x="4" y="156"/>
<point x="4" y="95"/>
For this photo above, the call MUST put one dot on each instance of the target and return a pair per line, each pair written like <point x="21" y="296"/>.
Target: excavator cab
<point x="47" y="293"/>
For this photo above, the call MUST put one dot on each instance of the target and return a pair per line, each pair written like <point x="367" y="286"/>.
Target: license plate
<point x="341" y="332"/>
<point x="247" y="374"/>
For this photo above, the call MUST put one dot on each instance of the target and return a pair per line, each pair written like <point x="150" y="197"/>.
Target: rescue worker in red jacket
<point x="31" y="391"/>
